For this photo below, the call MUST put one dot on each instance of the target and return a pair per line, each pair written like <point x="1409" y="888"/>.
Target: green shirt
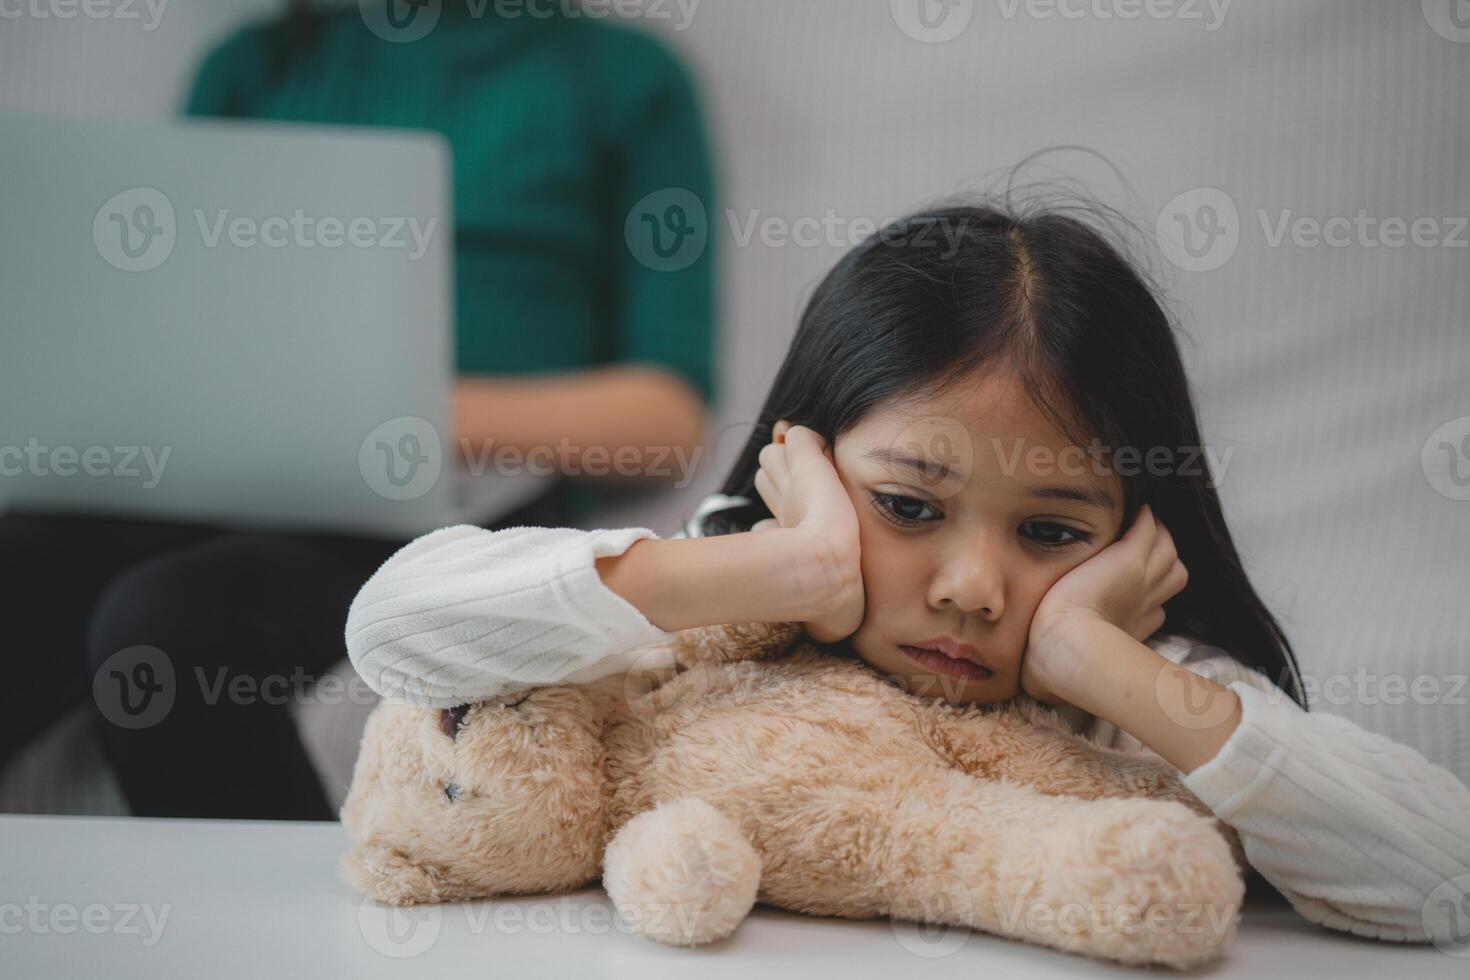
<point x="559" y="126"/>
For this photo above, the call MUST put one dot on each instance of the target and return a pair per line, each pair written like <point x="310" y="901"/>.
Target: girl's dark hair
<point x="936" y="295"/>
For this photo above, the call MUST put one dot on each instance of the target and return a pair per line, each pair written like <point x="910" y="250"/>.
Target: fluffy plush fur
<point x="757" y="767"/>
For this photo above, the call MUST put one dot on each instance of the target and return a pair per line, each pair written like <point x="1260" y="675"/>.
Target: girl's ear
<point x="778" y="431"/>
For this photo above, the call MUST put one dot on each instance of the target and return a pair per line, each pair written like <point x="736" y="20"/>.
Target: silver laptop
<point x="242" y="323"/>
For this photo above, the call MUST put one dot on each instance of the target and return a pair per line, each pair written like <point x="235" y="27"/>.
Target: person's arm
<point x="464" y="614"/>
<point x="1359" y="832"/>
<point x="664" y="309"/>
<point x="649" y="400"/>
<point x="624" y="421"/>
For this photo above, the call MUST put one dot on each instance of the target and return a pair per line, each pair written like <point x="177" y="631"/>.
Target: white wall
<point x="1324" y="370"/>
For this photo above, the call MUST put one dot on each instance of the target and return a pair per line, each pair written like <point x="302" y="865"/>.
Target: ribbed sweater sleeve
<point x="464" y="614"/>
<point x="1359" y="832"/>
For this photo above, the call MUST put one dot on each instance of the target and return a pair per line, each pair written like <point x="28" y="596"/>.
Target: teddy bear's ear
<point x="729" y="642"/>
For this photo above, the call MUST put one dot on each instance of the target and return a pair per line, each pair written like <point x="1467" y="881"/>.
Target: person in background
<point x="560" y="125"/>
<point x="567" y="338"/>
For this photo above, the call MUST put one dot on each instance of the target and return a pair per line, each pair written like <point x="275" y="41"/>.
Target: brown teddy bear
<point x="748" y="764"/>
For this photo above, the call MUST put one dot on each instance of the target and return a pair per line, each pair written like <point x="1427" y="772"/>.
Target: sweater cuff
<point x="601" y="611"/>
<point x="1250" y="758"/>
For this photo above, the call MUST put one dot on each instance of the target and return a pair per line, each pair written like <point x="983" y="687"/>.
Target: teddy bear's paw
<point x="682" y="873"/>
<point x="389" y="876"/>
<point x="1152" y="882"/>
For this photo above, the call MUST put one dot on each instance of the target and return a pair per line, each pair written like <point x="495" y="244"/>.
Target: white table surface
<point x="230" y="898"/>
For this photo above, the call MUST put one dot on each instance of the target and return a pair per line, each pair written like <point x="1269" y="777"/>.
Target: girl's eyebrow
<point x="930" y="470"/>
<point x="936" y="472"/>
<point x="1092" y="496"/>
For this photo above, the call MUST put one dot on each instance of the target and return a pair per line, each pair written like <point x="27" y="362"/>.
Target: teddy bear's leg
<point x="1054" y="762"/>
<point x="1132" y="880"/>
<point x="682" y="873"/>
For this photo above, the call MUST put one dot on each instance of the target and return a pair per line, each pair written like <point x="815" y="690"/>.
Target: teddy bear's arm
<point x="1009" y="743"/>
<point x="931" y="844"/>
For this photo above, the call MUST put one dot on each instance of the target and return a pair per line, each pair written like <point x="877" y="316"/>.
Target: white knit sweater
<point x="1359" y="832"/>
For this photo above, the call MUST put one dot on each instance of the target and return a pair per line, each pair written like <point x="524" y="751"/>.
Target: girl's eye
<point x="904" y="511"/>
<point x="1054" y="537"/>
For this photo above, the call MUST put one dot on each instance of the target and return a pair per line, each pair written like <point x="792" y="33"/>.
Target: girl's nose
<point x="971" y="581"/>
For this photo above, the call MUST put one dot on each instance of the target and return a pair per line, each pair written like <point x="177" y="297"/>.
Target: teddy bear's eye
<point x="451" y="790"/>
<point x="450" y="720"/>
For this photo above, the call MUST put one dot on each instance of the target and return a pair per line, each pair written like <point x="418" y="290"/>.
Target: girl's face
<point x="970" y="507"/>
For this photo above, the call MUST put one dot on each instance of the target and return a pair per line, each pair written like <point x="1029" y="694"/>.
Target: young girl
<point x="979" y="471"/>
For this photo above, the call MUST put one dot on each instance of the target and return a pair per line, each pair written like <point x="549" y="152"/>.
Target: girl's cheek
<point x="874" y="559"/>
<point x="885" y="559"/>
<point x="900" y="583"/>
<point x="1041" y="577"/>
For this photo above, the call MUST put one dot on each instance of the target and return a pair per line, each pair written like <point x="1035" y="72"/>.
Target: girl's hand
<point x="798" y="481"/>
<point x="1125" y="585"/>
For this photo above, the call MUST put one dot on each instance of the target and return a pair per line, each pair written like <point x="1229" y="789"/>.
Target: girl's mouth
<point x="942" y="664"/>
